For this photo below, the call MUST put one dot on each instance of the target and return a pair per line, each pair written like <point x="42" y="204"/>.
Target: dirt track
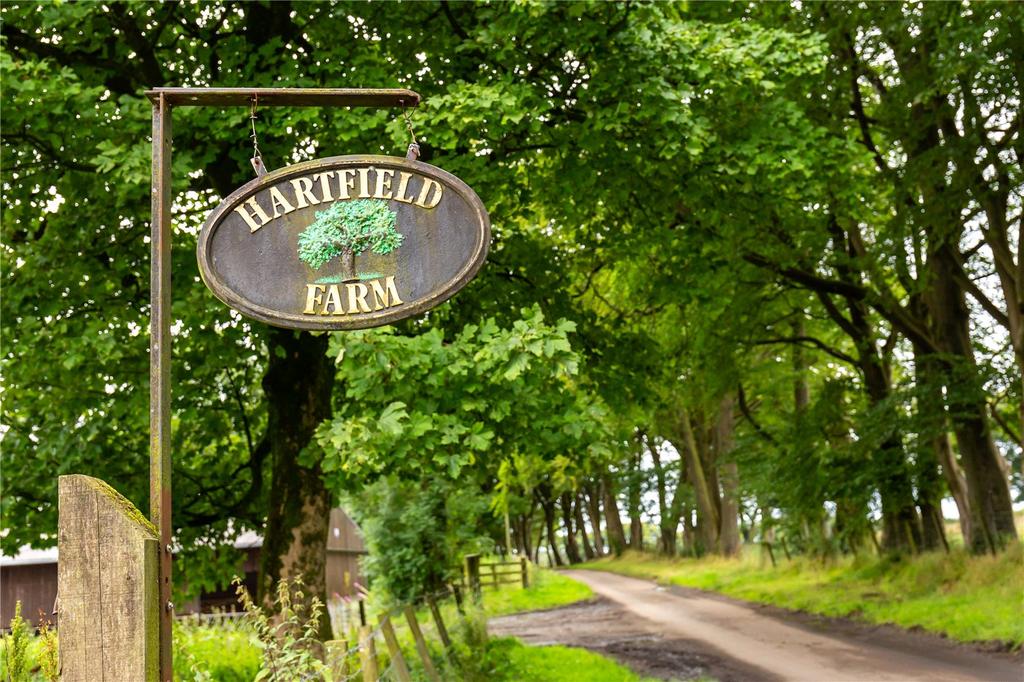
<point x="680" y="634"/>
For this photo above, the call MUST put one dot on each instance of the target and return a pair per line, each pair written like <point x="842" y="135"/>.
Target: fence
<point x="479" y="573"/>
<point x="373" y="653"/>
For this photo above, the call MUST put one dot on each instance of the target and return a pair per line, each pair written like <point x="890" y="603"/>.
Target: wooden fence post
<point x="421" y="644"/>
<point x="397" y="660"/>
<point x="473" y="574"/>
<point x="108" y="586"/>
<point x="524" y="571"/>
<point x="442" y="631"/>
<point x="367" y="654"/>
<point x="337" y="657"/>
<point x="457" y="593"/>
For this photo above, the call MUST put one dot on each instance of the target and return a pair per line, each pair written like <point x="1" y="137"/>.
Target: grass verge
<point x="515" y="661"/>
<point x="967" y="598"/>
<point x="547" y="590"/>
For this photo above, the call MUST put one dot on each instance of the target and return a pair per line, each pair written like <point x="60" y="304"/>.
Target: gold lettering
<point x="385" y="296"/>
<point x="257" y="212"/>
<point x="425" y="190"/>
<point x="303" y="196"/>
<point x="313" y="293"/>
<point x="325" y="184"/>
<point x="347" y="181"/>
<point x="277" y="199"/>
<point x="364" y="183"/>
<point x="333" y="299"/>
<point x="357" y="294"/>
<point x="384" y="177"/>
<point x="403" y="185"/>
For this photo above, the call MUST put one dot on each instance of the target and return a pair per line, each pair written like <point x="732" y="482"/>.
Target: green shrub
<point x="16" y="658"/>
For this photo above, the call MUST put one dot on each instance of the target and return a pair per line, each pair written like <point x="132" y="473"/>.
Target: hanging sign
<point x="345" y="242"/>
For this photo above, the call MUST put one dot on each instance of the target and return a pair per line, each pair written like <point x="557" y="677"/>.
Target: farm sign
<point x="346" y="242"/>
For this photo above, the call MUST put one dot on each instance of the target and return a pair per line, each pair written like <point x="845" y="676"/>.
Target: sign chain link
<point x="257" y="158"/>
<point x="414" y="147"/>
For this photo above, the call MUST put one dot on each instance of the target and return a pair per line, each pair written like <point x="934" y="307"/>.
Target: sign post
<point x="164" y="100"/>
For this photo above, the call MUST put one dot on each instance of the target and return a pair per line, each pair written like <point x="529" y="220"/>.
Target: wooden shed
<point x="31" y="578"/>
<point x="344" y="549"/>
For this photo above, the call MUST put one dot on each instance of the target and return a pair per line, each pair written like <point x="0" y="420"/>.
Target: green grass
<point x="967" y="598"/>
<point x="515" y="661"/>
<point x="227" y="652"/>
<point x="547" y="590"/>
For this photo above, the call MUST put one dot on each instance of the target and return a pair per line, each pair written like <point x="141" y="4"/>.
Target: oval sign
<point x="346" y="242"/>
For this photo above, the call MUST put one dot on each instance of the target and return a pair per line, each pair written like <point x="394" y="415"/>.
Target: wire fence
<point x="411" y="640"/>
<point x="417" y="639"/>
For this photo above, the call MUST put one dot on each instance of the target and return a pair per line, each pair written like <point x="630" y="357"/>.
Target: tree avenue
<point x="755" y="277"/>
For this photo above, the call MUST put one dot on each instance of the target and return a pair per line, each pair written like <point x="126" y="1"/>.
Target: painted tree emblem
<point x="347" y="229"/>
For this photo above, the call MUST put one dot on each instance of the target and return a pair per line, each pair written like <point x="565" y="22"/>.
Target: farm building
<point x="31" y="576"/>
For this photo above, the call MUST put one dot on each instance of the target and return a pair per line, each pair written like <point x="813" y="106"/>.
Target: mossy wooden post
<point x="367" y="654"/>
<point x="442" y="631"/>
<point x="108" y="611"/>
<point x="397" y="659"/>
<point x="473" y="574"/>
<point x="524" y="571"/>
<point x="337" y="657"/>
<point x="421" y="645"/>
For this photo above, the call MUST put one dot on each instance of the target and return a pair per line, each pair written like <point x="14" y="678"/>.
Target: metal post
<point x="160" y="369"/>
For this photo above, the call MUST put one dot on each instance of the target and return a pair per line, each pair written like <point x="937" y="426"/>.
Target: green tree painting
<point x="347" y="229"/>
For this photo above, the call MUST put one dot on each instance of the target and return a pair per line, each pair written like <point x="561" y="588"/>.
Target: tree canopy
<point x="755" y="274"/>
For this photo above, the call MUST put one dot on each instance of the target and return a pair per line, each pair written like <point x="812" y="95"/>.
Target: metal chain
<point x="257" y="157"/>
<point x="414" y="147"/>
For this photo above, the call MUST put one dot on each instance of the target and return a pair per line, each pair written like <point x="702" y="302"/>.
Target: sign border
<point x="364" y="321"/>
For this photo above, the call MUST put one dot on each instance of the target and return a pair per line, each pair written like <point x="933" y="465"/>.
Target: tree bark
<point x="577" y="506"/>
<point x="593" y="497"/>
<point x="572" y="548"/>
<point x="633" y="497"/>
<point x="689" y="532"/>
<point x="548" y="506"/>
<point x="707" y="511"/>
<point x="992" y="524"/>
<point x="729" y="534"/>
<point x="297" y="387"/>
<point x="348" y="264"/>
<point x="616" y="534"/>
<point x="668" y="512"/>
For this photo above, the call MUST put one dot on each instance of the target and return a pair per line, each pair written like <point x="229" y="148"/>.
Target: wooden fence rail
<point x="479" y="574"/>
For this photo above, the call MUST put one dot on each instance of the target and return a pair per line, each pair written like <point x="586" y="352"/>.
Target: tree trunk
<point x="707" y="512"/>
<point x="689" y="532"/>
<point x="934" y="425"/>
<point x="297" y="387"/>
<point x="593" y="496"/>
<point x="549" y="522"/>
<point x="668" y="514"/>
<point x="729" y="533"/>
<point x="992" y="524"/>
<point x="572" y="548"/>
<point x="636" y="526"/>
<point x="581" y="526"/>
<point x="901" y="527"/>
<point x="616" y="534"/>
<point x="348" y="265"/>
